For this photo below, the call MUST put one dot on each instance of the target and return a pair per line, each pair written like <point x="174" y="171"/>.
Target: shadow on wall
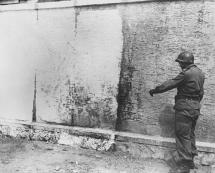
<point x="167" y="121"/>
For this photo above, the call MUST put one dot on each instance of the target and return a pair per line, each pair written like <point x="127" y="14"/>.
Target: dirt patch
<point x="24" y="156"/>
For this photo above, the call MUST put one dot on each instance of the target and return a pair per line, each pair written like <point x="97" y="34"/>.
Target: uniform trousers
<point x="185" y="123"/>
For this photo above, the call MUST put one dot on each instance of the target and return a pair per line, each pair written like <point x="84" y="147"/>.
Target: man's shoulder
<point x="192" y="67"/>
<point x="194" y="70"/>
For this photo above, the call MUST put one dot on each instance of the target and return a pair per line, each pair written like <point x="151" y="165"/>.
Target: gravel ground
<point x="21" y="156"/>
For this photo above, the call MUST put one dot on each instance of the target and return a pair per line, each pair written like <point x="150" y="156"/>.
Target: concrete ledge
<point x="63" y="4"/>
<point x="71" y="4"/>
<point x="159" y="141"/>
<point x="99" y="139"/>
<point x="145" y="139"/>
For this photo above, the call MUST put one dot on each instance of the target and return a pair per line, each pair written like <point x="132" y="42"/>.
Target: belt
<point x="187" y="98"/>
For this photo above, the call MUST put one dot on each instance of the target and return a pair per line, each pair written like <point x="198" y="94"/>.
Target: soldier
<point x="189" y="84"/>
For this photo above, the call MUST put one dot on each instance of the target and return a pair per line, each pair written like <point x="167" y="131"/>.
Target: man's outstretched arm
<point x="169" y="84"/>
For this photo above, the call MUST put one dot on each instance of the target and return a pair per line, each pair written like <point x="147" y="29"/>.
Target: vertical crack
<point x="34" y="118"/>
<point x="77" y="13"/>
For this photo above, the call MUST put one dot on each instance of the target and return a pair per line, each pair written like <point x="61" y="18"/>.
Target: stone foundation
<point x="136" y="145"/>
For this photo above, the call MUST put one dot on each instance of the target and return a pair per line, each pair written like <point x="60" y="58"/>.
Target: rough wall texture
<point x="154" y="34"/>
<point x="76" y="54"/>
<point x="77" y="84"/>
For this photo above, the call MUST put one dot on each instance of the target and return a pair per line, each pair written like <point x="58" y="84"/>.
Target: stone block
<point x="208" y="159"/>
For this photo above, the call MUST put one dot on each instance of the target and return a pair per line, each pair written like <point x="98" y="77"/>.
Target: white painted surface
<point x="18" y="50"/>
<point x="83" y="48"/>
<point x="59" y="45"/>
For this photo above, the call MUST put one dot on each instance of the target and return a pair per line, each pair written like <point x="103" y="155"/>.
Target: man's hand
<point x="151" y="92"/>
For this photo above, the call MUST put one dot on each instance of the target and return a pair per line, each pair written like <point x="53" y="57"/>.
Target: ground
<point x="22" y="156"/>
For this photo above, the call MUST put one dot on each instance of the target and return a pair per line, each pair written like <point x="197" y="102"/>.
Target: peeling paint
<point x="78" y="87"/>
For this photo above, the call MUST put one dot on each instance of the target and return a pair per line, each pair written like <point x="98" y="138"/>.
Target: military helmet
<point x="185" y="57"/>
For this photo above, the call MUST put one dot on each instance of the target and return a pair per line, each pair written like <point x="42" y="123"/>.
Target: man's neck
<point x="188" y="66"/>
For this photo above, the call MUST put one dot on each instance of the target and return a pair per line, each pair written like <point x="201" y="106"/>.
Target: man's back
<point x="192" y="85"/>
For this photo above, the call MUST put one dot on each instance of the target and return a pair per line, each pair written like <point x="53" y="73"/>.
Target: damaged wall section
<point x="154" y="34"/>
<point x="75" y="54"/>
<point x="78" y="80"/>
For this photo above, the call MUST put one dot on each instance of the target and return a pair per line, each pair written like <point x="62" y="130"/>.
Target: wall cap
<point x="31" y="5"/>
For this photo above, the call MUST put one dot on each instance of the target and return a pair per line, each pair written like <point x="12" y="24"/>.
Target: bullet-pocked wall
<point x="81" y="53"/>
<point x="78" y="79"/>
<point x="153" y="35"/>
<point x="75" y="55"/>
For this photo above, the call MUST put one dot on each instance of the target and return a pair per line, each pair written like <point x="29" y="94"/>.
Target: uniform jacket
<point x="189" y="84"/>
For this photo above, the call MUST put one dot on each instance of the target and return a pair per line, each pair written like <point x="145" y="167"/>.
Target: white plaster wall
<point x="84" y="51"/>
<point x="65" y="48"/>
<point x="99" y="45"/>
<point x="18" y="52"/>
<point x="56" y="34"/>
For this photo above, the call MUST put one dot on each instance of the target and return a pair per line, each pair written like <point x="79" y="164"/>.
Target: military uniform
<point x="189" y="84"/>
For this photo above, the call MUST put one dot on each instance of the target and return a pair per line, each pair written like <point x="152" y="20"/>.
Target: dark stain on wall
<point x="153" y="35"/>
<point x="77" y="13"/>
<point x="125" y="105"/>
